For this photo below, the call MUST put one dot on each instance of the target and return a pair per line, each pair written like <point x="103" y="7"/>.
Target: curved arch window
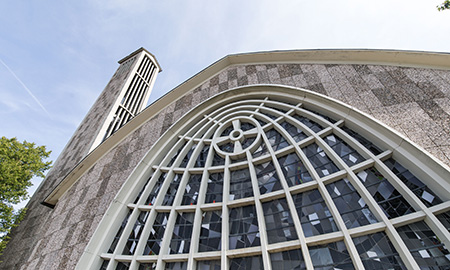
<point x="256" y="174"/>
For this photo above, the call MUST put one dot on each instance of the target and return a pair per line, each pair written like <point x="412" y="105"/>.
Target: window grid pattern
<point x="279" y="182"/>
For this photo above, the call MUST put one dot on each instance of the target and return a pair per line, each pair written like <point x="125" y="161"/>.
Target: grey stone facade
<point x="413" y="101"/>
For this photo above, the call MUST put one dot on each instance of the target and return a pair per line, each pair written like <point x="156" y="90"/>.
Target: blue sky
<point x="57" y="56"/>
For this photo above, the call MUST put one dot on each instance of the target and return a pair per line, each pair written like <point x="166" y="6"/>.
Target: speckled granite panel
<point x="415" y="102"/>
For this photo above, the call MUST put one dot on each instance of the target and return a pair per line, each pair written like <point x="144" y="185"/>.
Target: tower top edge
<point x="141" y="49"/>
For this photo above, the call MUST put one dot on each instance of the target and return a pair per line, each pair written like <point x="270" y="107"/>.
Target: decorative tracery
<point x="262" y="173"/>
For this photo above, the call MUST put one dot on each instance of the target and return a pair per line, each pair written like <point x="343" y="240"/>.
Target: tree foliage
<point x="444" y="5"/>
<point x="19" y="162"/>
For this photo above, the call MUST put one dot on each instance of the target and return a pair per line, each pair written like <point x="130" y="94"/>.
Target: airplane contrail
<point x="26" y="88"/>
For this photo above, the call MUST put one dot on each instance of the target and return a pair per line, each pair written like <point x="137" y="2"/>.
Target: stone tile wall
<point x="415" y="102"/>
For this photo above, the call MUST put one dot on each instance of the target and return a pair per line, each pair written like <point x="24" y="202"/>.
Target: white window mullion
<point x="259" y="213"/>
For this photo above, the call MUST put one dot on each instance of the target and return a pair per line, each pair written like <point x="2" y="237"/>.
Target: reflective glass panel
<point x="390" y="200"/>
<point x="244" y="231"/>
<point x="425" y="246"/>
<point x="377" y="252"/>
<point x="147" y="266"/>
<point x="321" y="162"/>
<point x="353" y="209"/>
<point x="154" y="240"/>
<point x="296" y="133"/>
<point x="208" y="265"/>
<point x="313" y="213"/>
<point x="291" y="259"/>
<point x="330" y="256"/>
<point x="276" y="140"/>
<point x="172" y="191"/>
<point x="214" y="189"/>
<point x="190" y="195"/>
<point x="176" y="266"/>
<point x="182" y="233"/>
<point x="155" y="190"/>
<point x="119" y="232"/>
<point x="344" y="151"/>
<point x="267" y="176"/>
<point x="293" y="169"/>
<point x="246" y="263"/>
<point x="418" y="187"/>
<point x="135" y="234"/>
<point x="240" y="184"/>
<point x="279" y="224"/>
<point x="369" y="145"/>
<point x="211" y="231"/>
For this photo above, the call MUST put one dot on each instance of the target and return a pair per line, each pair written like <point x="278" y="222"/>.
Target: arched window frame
<point x="404" y="151"/>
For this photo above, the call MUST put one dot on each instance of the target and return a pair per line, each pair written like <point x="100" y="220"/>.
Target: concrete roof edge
<point x="332" y="56"/>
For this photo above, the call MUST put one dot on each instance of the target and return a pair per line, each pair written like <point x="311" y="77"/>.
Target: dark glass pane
<point x="275" y="108"/>
<point x="261" y="122"/>
<point x="372" y="148"/>
<point x="415" y="185"/>
<point x="186" y="159"/>
<point x="119" y="232"/>
<point x="267" y="176"/>
<point x="270" y="115"/>
<point x="227" y="147"/>
<point x="321" y="162"/>
<point x="211" y="231"/>
<point x="390" y="200"/>
<point x="133" y="239"/>
<point x="218" y="160"/>
<point x="246" y="263"/>
<point x="182" y="233"/>
<point x="293" y="169"/>
<point x="444" y="218"/>
<point x="155" y="190"/>
<point x="142" y="190"/>
<point x="313" y="213"/>
<point x="276" y="140"/>
<point x="377" y="252"/>
<point x="296" y="133"/>
<point x="240" y="184"/>
<point x="425" y="246"/>
<point x="172" y="191"/>
<point x="353" y="209"/>
<point x="247" y="126"/>
<point x="190" y="195"/>
<point x="214" y="189"/>
<point x="331" y="120"/>
<point x="247" y="142"/>
<point x="279" y="224"/>
<point x="237" y="160"/>
<point x="227" y="131"/>
<point x="174" y="157"/>
<point x="330" y="256"/>
<point x="244" y="230"/>
<point x="104" y="265"/>
<point x="291" y="259"/>
<point x="308" y="122"/>
<point x="261" y="150"/>
<point x="147" y="266"/>
<point x="154" y="241"/>
<point x="348" y="154"/>
<point x="123" y="266"/>
<point x="201" y="159"/>
<point x="176" y="266"/>
<point x="208" y="265"/>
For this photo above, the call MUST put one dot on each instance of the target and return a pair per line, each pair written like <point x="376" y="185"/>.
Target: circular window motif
<point x="236" y="136"/>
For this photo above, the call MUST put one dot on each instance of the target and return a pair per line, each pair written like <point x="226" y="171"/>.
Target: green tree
<point x="444" y="5"/>
<point x="19" y="162"/>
